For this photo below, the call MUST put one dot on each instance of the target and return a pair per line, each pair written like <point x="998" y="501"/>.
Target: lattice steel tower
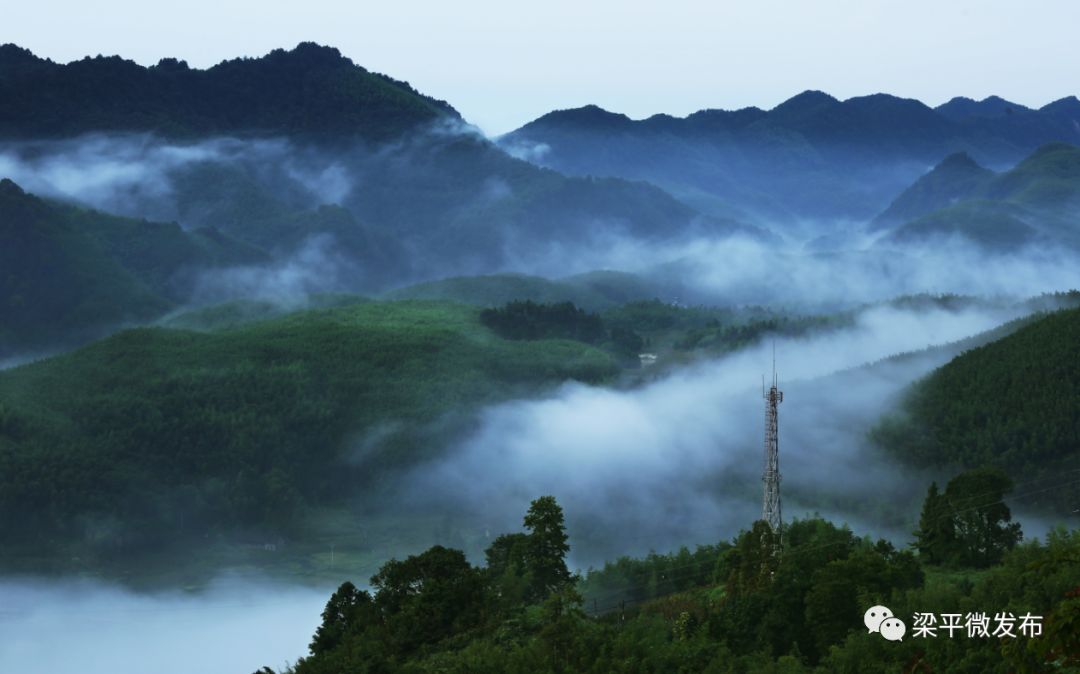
<point x="770" y="509"/>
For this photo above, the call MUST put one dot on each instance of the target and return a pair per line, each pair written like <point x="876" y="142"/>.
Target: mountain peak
<point x="956" y="177"/>
<point x="589" y="116"/>
<point x="811" y="98"/>
<point x="991" y="107"/>
<point x="13" y="55"/>
<point x="958" y="160"/>
<point x="8" y="188"/>
<point x="313" y="53"/>
<point x="1069" y="104"/>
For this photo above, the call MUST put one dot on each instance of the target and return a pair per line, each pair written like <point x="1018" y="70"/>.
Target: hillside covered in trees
<point x="732" y="607"/>
<point x="156" y="435"/>
<point x="43" y="99"/>
<point x="1011" y="403"/>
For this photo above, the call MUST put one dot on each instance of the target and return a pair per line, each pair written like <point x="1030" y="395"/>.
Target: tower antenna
<point x="770" y="477"/>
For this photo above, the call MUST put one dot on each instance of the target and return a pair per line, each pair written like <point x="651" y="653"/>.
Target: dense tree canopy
<point x="803" y="615"/>
<point x="969" y="524"/>
<point x="1010" y="404"/>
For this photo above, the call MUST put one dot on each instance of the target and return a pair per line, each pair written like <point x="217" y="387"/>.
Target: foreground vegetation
<point x="732" y="607"/>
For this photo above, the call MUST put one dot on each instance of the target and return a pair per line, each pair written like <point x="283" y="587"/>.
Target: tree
<point x="969" y="524"/>
<point x="936" y="536"/>
<point x="428" y="597"/>
<point x="344" y="612"/>
<point x="561" y="617"/>
<point x="981" y="521"/>
<point x="507" y="570"/>
<point x="547" y="547"/>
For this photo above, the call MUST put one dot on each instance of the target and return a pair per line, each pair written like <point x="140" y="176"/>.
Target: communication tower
<point x="770" y="477"/>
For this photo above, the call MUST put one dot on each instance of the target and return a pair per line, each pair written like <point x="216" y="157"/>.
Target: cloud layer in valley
<point x="678" y="461"/>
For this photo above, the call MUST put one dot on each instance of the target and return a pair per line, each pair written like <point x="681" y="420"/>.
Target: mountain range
<point x="303" y="169"/>
<point x="812" y="156"/>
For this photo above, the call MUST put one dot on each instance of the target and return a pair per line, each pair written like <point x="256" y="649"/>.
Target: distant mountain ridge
<point x="310" y="90"/>
<point x="810" y="156"/>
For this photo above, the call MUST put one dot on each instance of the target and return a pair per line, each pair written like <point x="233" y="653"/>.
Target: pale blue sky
<point x="504" y="63"/>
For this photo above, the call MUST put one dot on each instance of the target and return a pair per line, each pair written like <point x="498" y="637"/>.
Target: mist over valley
<point x="266" y="326"/>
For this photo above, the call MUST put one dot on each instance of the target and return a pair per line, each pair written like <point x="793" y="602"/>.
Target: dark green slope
<point x="67" y="273"/>
<point x="56" y="281"/>
<point x="1047" y="180"/>
<point x="989" y="224"/>
<point x="157" y="436"/>
<point x="1013" y="403"/>
<point x="957" y="177"/>
<point x="310" y="90"/>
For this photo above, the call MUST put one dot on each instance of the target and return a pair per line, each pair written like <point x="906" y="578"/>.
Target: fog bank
<point x="678" y="461"/>
<point x="83" y="627"/>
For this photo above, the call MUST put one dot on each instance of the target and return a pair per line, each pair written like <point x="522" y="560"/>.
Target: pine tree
<point x="547" y="548"/>
<point x="935" y="536"/>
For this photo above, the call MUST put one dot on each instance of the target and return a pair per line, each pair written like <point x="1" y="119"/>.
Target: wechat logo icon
<point x="881" y="620"/>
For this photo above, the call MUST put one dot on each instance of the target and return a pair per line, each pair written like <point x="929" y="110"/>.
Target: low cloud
<point x="678" y="461"/>
<point x="234" y="625"/>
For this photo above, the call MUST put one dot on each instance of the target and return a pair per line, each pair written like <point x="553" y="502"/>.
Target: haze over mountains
<point x="288" y="316"/>
<point x="812" y="156"/>
<point x="301" y="172"/>
<point x="299" y="180"/>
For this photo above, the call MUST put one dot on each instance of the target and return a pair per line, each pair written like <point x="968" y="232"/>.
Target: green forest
<point x="1011" y="403"/>
<point x="755" y="604"/>
<point x="156" y="435"/>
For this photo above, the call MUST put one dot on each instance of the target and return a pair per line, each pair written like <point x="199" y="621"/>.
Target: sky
<point x="504" y="63"/>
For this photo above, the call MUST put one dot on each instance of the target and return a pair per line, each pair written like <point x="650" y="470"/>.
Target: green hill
<point x="1049" y="179"/>
<point x="68" y="273"/>
<point x="992" y="225"/>
<point x="594" y="291"/>
<point x="310" y="90"/>
<point x="957" y="177"/>
<point x="155" y="436"/>
<point x="1011" y="403"/>
<point x="1035" y="201"/>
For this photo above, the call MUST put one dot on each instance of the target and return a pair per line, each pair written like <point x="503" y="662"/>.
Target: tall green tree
<point x="348" y="610"/>
<point x="935" y="536"/>
<point x="547" y="548"/>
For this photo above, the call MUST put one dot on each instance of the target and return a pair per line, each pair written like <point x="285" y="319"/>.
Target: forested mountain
<point x="69" y="273"/>
<point x="303" y="145"/>
<point x="810" y="156"/>
<point x="156" y="436"/>
<point x="1011" y="403"/>
<point x="1034" y="202"/>
<point x="957" y="177"/>
<point x="308" y="91"/>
